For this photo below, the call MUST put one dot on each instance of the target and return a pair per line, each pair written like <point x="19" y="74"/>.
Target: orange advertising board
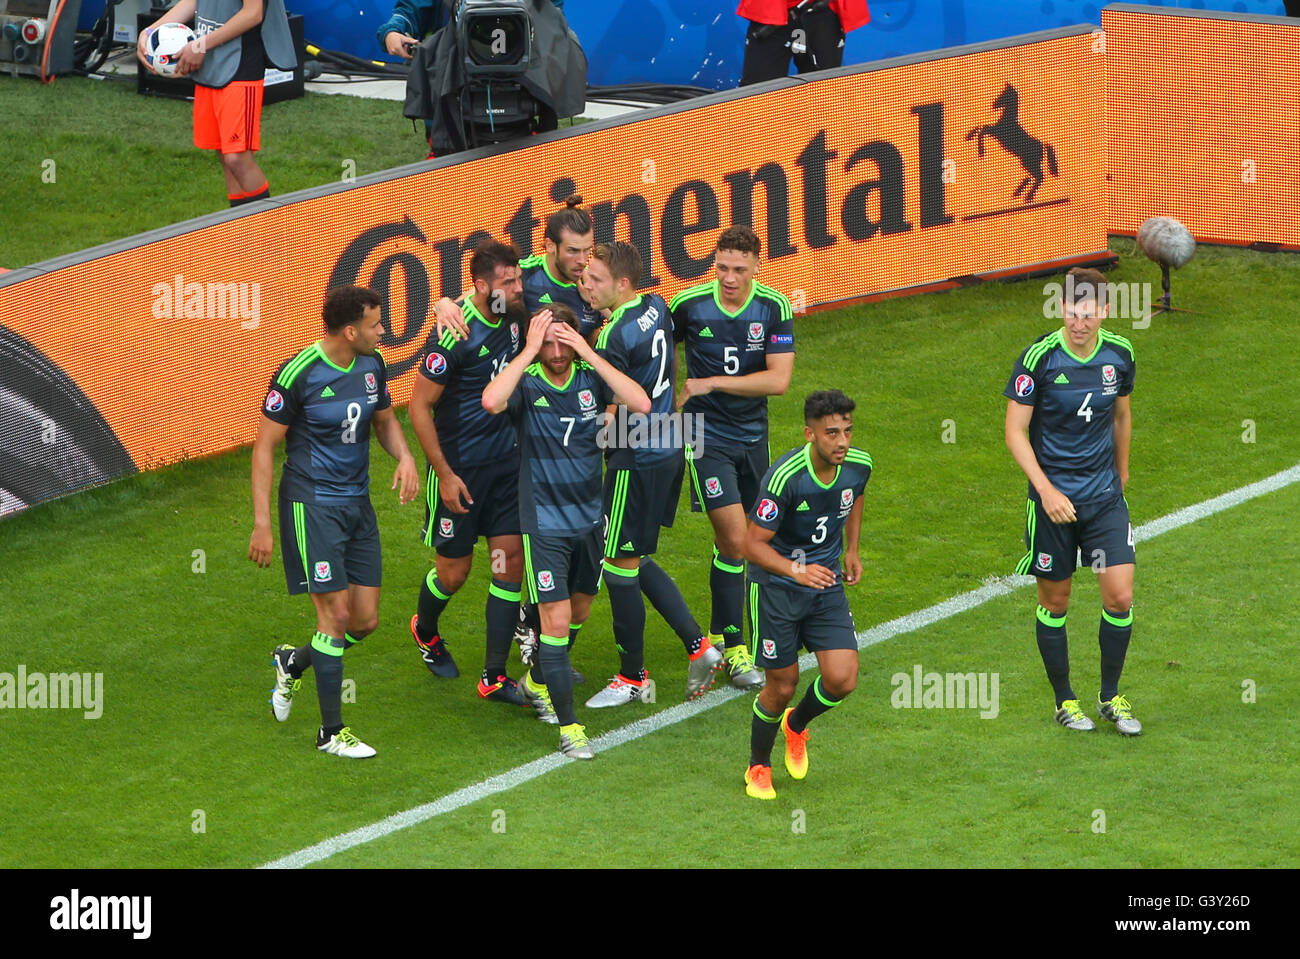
<point x="896" y="176"/>
<point x="1204" y="113"/>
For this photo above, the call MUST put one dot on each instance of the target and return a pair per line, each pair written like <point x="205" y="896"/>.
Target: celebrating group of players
<point x="548" y="410"/>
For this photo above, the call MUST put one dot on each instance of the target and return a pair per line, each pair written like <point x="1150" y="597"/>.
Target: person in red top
<point x="812" y="31"/>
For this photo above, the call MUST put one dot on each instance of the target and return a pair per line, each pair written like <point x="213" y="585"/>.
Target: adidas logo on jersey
<point x="326" y="393"/>
<point x="706" y="333"/>
<point x="801" y="507"/>
<point x="541" y="401"/>
<point x="483" y="351"/>
<point x="1061" y="378"/>
<point x="544" y="298"/>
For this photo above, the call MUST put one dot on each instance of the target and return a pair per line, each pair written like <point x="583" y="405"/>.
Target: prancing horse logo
<point x="1017" y="141"/>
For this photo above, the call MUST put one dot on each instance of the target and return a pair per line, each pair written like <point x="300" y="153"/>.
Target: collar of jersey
<point x="618" y="312"/>
<point x="320" y="350"/>
<point x="717" y="299"/>
<point x="573" y="371"/>
<point x="547" y="270"/>
<point x="807" y="458"/>
<point x="1060" y="336"/>
<point x="469" y="302"/>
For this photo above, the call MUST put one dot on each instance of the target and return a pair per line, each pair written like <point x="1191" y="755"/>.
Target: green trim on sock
<point x="555" y="640"/>
<point x="1121" y="622"/>
<point x="619" y="571"/>
<point x="351" y="640"/>
<point x="574" y="627"/>
<point x="429" y="581"/>
<point x="502" y="593"/>
<point x="726" y="567"/>
<point x="321" y="643"/>
<point x="762" y="714"/>
<point x="817" y="691"/>
<point x="1049" y="618"/>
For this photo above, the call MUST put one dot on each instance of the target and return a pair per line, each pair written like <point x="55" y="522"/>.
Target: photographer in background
<point x="811" y="31"/>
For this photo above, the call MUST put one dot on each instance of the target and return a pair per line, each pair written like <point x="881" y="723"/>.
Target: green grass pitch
<point x="186" y="767"/>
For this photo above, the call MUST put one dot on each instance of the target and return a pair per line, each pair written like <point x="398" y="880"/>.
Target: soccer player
<point x="550" y="277"/>
<point x="555" y="391"/>
<point x="1068" y="426"/>
<point x="473" y="477"/>
<point x="809" y="511"/>
<point x="236" y="38"/>
<point x="739" y="351"/>
<point x="644" y="477"/>
<point x="323" y="402"/>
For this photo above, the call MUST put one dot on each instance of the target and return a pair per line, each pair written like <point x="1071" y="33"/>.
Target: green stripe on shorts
<point x="528" y="571"/>
<point x="300" y="534"/>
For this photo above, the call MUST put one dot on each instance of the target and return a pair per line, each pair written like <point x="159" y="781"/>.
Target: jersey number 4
<point x="1085" y="410"/>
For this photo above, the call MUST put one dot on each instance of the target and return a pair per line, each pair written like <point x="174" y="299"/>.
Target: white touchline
<point x="643" y="727"/>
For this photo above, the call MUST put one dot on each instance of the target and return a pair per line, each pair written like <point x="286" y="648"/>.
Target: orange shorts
<point x="229" y="119"/>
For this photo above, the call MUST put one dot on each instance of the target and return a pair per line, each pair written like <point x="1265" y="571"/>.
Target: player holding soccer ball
<point x="739" y="351"/>
<point x="228" y="61"/>
<point x="808" y="514"/>
<point x="322" y="402"/>
<point x="1068" y="426"/>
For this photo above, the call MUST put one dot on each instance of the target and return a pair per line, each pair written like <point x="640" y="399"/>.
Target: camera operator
<point x="414" y="19"/>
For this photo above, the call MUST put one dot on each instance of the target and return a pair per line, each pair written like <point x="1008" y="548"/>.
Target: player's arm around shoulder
<point x="261" y="546"/>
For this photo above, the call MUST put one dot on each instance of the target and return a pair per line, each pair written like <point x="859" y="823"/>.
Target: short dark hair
<point x="1083" y="285"/>
<point x="739" y="238"/>
<point x="571" y="217"/>
<point x="563" y="313"/>
<point x="623" y="260"/>
<point x="489" y="255"/>
<point x="827" y="403"/>
<point x="345" y="305"/>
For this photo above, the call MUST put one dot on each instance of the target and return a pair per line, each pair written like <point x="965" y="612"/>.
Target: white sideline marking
<point x="668" y="717"/>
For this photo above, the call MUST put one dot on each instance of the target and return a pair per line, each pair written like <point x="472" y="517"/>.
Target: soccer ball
<point x="162" y="48"/>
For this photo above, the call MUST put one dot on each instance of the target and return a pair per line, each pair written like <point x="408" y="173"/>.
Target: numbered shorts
<point x="724" y="475"/>
<point x="494" y="512"/>
<point x="228" y="118"/>
<point x="1102" y="533"/>
<point x="637" y="504"/>
<point x="328" y="548"/>
<point x="557" y="567"/>
<point x="781" y="620"/>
